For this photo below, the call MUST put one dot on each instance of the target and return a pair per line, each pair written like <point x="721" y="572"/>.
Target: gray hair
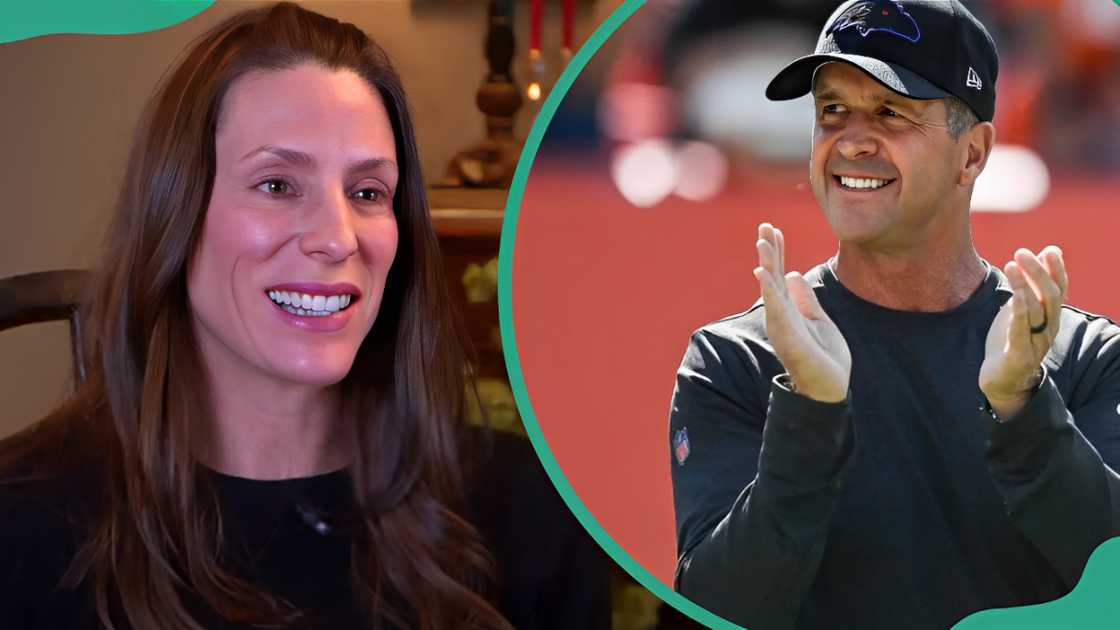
<point x="961" y="118"/>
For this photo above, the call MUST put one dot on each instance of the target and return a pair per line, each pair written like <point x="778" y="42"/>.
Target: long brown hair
<point x="156" y="527"/>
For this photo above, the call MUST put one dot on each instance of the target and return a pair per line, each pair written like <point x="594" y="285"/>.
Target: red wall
<point x="606" y="294"/>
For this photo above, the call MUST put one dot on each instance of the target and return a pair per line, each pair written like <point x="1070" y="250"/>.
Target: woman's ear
<point x="977" y="144"/>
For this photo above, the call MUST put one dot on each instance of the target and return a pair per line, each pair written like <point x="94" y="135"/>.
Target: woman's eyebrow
<point x="371" y="164"/>
<point x="299" y="158"/>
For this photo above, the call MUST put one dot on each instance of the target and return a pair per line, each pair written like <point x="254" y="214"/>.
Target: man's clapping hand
<point x="1013" y="353"/>
<point x="807" y="342"/>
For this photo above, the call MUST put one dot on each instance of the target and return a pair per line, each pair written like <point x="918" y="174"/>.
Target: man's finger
<point x="1045" y="286"/>
<point x="1014" y="276"/>
<point x="761" y="275"/>
<point x="767" y="259"/>
<point x="764" y="261"/>
<point x="803" y="297"/>
<point x="1019" y="329"/>
<point x="1031" y="307"/>
<point x="766" y="231"/>
<point x="780" y="240"/>
<point x="765" y="255"/>
<point x="1051" y="258"/>
<point x="1055" y="264"/>
<point x="777" y="309"/>
<point x="768" y="288"/>
<point x="773" y="235"/>
<point x="1045" y="289"/>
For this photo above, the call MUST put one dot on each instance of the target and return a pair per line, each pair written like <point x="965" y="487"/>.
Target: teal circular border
<point x="1089" y="605"/>
<point x="509" y="341"/>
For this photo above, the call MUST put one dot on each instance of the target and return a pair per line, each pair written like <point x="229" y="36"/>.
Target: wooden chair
<point x="44" y="297"/>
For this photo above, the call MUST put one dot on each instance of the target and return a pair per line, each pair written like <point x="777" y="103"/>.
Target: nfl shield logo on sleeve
<point x="680" y="445"/>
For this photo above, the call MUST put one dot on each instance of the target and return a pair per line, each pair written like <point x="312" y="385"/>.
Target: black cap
<point x="918" y="48"/>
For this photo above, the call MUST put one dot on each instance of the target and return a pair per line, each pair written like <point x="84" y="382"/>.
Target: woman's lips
<point x="317" y="288"/>
<point x="313" y="306"/>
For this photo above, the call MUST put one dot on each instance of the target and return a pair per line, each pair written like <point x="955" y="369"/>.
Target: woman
<point x="269" y="435"/>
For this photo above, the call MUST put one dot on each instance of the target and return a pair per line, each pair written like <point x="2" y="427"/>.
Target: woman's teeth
<point x="308" y="305"/>
<point x="862" y="182"/>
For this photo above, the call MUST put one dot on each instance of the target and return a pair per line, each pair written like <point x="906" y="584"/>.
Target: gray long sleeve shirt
<point x="905" y="505"/>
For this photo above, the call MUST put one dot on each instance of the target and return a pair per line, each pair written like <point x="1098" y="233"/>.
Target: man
<point x="904" y="435"/>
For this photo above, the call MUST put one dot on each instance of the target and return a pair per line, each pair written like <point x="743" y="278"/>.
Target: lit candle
<point x="535" y="25"/>
<point x="569" y="22"/>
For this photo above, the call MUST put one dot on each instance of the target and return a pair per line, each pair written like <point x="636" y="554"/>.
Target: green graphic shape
<point x="22" y="19"/>
<point x="1090" y="606"/>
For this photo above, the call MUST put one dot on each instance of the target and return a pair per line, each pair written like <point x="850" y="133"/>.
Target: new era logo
<point x="973" y="80"/>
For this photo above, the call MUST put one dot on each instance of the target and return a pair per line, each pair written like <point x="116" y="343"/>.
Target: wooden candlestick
<point x="491" y="163"/>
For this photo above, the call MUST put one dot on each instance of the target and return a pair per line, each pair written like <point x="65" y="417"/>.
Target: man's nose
<point x="857" y="140"/>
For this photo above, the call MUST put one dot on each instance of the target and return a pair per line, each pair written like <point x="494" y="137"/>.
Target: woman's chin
<point x="315" y="373"/>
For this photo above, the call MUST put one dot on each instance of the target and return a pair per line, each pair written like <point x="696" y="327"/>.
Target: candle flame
<point x="534" y="91"/>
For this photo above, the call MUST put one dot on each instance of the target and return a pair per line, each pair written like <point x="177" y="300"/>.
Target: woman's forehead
<point x="307" y="106"/>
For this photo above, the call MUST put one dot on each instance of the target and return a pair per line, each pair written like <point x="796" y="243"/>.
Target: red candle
<point x="569" y="21"/>
<point x="535" y="24"/>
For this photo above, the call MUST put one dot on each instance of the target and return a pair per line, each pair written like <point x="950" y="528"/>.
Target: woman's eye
<point x="369" y="195"/>
<point x="277" y="187"/>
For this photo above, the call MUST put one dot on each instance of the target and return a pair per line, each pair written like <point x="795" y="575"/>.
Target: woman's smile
<point x="315" y="307"/>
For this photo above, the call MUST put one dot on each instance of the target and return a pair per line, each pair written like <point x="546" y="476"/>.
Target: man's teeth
<point x="310" y="305"/>
<point x="860" y="182"/>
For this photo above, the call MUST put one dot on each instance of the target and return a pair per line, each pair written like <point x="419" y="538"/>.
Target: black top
<point x="281" y="536"/>
<point x="905" y="505"/>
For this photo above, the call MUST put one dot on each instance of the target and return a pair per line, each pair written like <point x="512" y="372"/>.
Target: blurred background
<point x="639" y="218"/>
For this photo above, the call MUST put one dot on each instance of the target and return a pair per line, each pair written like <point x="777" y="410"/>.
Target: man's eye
<point x="890" y="113"/>
<point x="833" y="108"/>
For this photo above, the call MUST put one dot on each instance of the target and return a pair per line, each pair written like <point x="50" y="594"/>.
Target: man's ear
<point x="977" y="144"/>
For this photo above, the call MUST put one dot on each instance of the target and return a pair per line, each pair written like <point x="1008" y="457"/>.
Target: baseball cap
<point x="922" y="49"/>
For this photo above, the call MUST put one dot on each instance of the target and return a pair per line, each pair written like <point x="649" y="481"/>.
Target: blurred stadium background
<point x="638" y="221"/>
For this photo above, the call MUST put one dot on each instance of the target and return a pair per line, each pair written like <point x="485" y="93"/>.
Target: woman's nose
<point x="329" y="230"/>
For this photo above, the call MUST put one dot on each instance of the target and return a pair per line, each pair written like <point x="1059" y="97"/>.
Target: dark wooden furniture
<point x="469" y="224"/>
<point x="44" y="297"/>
